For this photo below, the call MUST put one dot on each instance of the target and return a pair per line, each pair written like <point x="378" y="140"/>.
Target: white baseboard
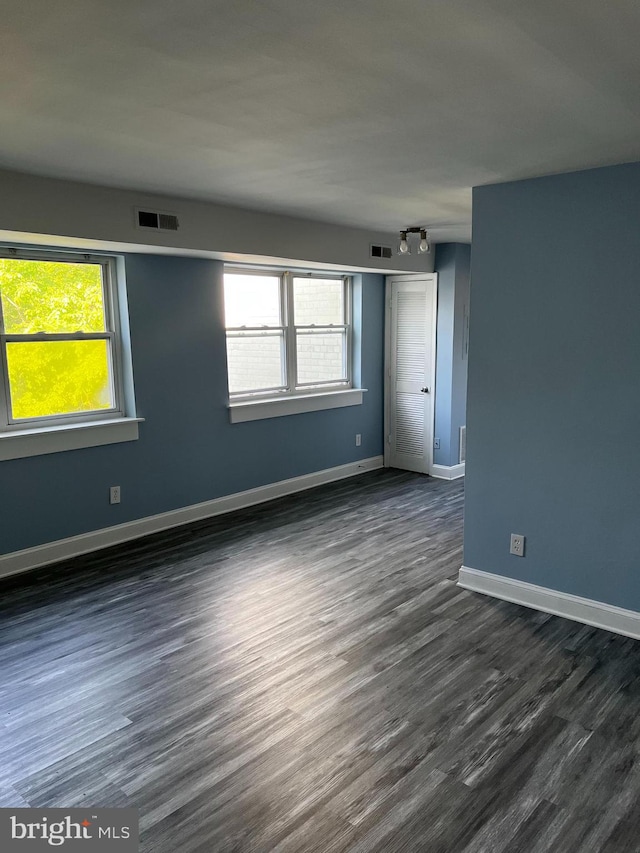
<point x="62" y="549"/>
<point x="447" y="472"/>
<point x="585" y="610"/>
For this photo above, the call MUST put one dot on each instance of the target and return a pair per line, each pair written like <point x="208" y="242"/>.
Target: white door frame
<point x="431" y="414"/>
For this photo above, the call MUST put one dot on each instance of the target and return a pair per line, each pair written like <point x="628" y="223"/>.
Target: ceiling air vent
<point x="156" y="221"/>
<point x="381" y="252"/>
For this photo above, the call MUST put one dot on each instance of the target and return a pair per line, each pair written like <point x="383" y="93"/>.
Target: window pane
<point x="320" y="356"/>
<point x="251" y="300"/>
<point x="318" y="301"/>
<point x="254" y="361"/>
<point x="58" y="377"/>
<point x="50" y="296"/>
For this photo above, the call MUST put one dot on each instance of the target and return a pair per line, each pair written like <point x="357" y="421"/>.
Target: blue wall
<point x="553" y="401"/>
<point x="452" y="263"/>
<point x="188" y="451"/>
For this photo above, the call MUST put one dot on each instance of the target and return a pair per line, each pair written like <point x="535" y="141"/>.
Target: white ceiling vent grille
<point x="156" y="220"/>
<point x="463" y="443"/>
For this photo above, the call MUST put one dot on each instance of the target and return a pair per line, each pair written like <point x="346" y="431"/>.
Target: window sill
<point x="18" y="444"/>
<point x="257" y="410"/>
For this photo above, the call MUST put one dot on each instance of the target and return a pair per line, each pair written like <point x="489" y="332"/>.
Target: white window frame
<point x="346" y="327"/>
<point x="292" y="397"/>
<point x="21" y="437"/>
<point x="280" y="328"/>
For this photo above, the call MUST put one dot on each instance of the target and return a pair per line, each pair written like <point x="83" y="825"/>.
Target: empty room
<point x="319" y="492"/>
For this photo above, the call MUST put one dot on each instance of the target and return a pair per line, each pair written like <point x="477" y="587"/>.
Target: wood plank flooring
<point x="306" y="677"/>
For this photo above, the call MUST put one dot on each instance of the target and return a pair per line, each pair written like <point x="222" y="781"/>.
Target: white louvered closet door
<point x="411" y="373"/>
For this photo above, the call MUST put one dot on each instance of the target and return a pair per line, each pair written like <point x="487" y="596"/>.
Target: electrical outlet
<point x="517" y="544"/>
<point x="358" y="439"/>
<point x="114" y="495"/>
<point x="436" y="444"/>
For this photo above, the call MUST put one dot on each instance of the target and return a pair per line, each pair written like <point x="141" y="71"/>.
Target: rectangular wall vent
<point x="156" y="221"/>
<point x="463" y="443"/>
<point x="381" y="252"/>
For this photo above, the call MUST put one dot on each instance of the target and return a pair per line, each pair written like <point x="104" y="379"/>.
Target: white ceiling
<point x="377" y="113"/>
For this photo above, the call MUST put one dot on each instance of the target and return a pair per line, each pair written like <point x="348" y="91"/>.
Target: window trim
<point x="9" y="424"/>
<point x="55" y="439"/>
<point x="290" y="389"/>
<point x="297" y="404"/>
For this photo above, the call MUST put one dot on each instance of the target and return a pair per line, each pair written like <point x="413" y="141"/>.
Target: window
<point x="59" y="345"/>
<point x="288" y="336"/>
<point x="256" y="333"/>
<point x="286" y="333"/>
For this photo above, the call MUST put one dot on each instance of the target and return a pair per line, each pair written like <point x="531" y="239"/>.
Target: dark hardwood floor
<point x="306" y="677"/>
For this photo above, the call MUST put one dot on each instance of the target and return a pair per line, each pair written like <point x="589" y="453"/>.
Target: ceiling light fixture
<point x="424" y="245"/>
